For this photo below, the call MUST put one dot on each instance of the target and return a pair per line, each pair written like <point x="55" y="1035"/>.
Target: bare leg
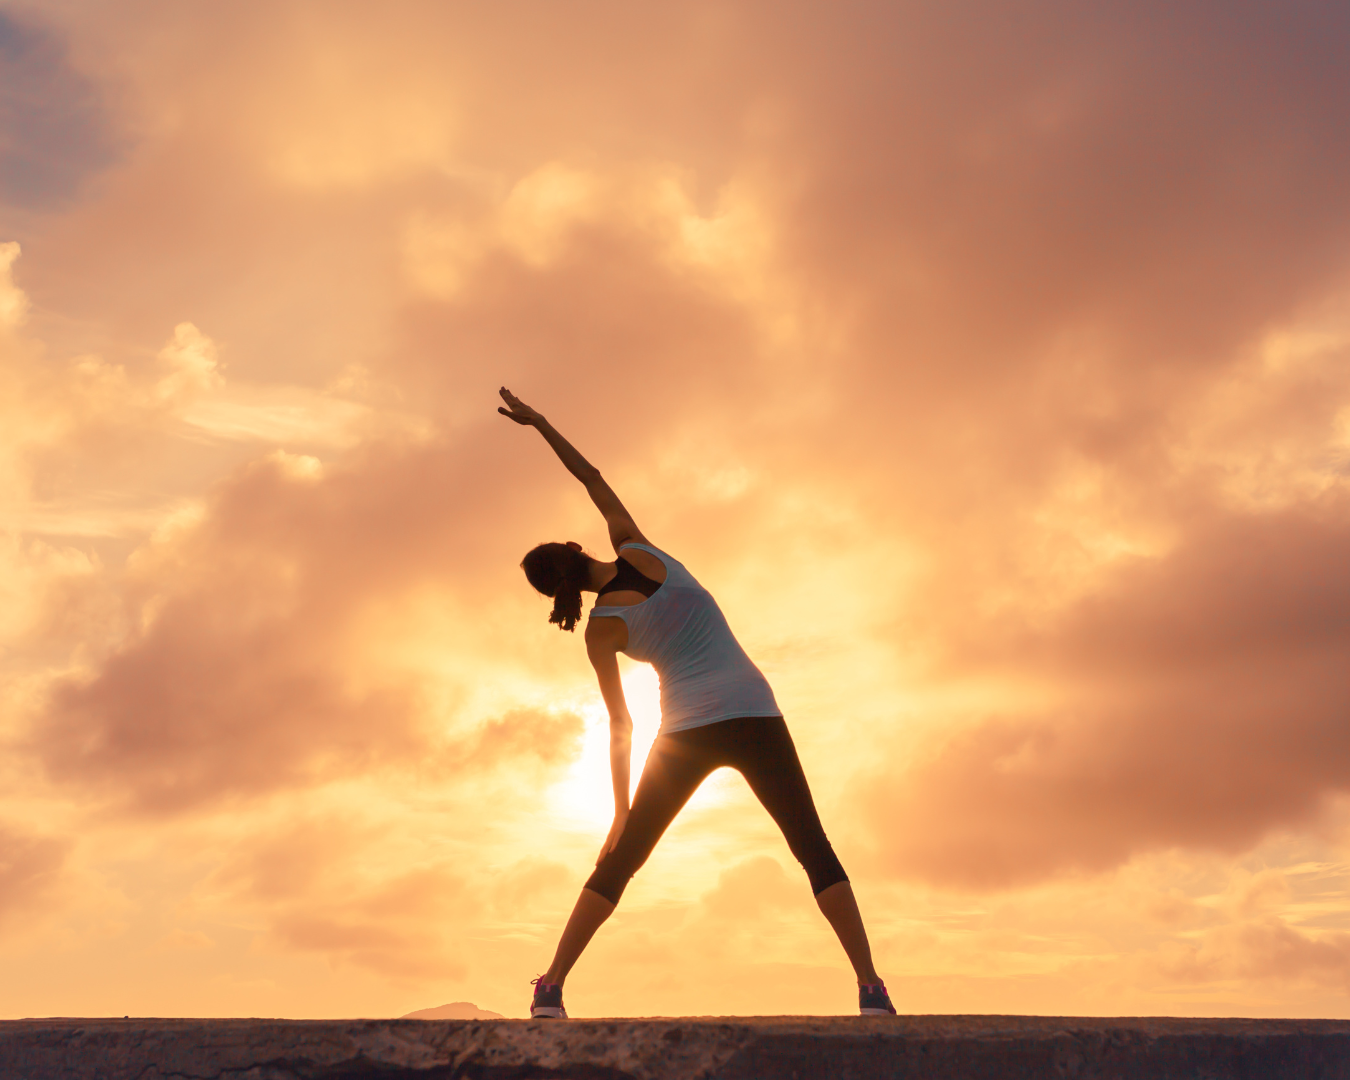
<point x="838" y="905"/>
<point x="587" y="917"/>
<point x="671" y="774"/>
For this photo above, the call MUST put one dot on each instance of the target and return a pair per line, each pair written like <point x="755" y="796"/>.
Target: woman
<point x="716" y="709"/>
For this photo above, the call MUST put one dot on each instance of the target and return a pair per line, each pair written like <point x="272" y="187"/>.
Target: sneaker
<point x="547" y="1003"/>
<point x="874" y="1001"/>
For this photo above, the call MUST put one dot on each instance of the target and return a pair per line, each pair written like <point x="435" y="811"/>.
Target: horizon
<point x="989" y="364"/>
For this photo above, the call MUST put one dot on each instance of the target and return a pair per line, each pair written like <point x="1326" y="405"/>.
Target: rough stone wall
<point x="802" y="1048"/>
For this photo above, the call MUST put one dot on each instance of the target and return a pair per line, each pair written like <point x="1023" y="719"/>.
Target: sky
<point x="988" y="361"/>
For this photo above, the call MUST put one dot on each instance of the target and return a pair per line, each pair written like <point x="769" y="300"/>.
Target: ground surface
<point x="968" y="1047"/>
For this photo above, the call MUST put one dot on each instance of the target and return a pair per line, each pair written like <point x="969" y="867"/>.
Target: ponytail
<point x="561" y="572"/>
<point x="567" y="600"/>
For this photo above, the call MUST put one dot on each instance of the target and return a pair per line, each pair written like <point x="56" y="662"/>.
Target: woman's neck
<point x="601" y="572"/>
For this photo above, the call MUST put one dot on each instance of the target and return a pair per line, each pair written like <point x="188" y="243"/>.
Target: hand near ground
<point x="518" y="411"/>
<point x="615" y="831"/>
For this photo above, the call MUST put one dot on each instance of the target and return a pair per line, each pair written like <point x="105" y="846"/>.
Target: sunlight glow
<point x="585" y="796"/>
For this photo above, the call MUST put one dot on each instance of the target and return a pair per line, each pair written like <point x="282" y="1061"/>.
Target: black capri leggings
<point x="760" y="748"/>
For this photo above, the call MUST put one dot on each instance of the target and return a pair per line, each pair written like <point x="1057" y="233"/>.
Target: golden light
<point x="584" y="797"/>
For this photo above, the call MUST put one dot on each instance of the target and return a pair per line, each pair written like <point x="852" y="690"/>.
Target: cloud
<point x="247" y="668"/>
<point x="524" y="733"/>
<point x="1263" y="950"/>
<point x="1202" y="696"/>
<point x="185" y="941"/>
<point x="989" y="362"/>
<point x="330" y="886"/>
<point x="190" y="358"/>
<point x="55" y="131"/>
<point x="534" y="883"/>
<point x="13" y="302"/>
<point x="202" y="685"/>
<point x="30" y="865"/>
<point x="752" y="888"/>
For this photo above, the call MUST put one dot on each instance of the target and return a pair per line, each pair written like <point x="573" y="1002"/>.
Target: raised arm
<point x="622" y="529"/>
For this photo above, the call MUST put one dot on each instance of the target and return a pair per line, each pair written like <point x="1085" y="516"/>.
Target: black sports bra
<point x="629" y="577"/>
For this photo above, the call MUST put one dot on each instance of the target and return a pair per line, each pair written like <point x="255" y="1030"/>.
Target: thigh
<point x="672" y="773"/>
<point x="763" y="752"/>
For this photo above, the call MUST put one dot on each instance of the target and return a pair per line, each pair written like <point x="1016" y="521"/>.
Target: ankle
<point x="874" y="980"/>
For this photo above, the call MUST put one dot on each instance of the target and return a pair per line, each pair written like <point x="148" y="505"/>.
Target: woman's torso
<point x="705" y="675"/>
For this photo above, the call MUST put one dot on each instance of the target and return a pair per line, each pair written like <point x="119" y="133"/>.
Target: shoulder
<point x="629" y="534"/>
<point x="603" y="630"/>
<point x="653" y="566"/>
<point x="605" y="635"/>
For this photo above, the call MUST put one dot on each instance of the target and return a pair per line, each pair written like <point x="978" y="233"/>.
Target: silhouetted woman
<point x="716" y="709"/>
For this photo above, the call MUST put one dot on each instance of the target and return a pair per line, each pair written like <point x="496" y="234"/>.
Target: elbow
<point x="590" y="475"/>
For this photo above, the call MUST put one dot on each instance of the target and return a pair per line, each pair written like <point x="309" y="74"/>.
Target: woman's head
<point x="560" y="571"/>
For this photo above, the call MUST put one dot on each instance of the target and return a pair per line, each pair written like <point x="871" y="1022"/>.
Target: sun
<point x="584" y="797"/>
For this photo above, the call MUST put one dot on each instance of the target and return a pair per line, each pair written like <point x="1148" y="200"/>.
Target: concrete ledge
<point x="805" y="1048"/>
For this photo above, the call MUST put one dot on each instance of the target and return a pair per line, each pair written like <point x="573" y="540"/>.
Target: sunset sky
<point x="988" y="361"/>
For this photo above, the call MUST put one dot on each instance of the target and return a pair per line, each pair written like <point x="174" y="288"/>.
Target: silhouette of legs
<point x="761" y="749"/>
<point x="838" y="905"/>
<point x="587" y="917"/>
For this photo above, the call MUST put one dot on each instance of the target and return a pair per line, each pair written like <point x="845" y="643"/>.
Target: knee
<point x="611" y="877"/>
<point x="610" y="886"/>
<point x="822" y="866"/>
<point x="822" y="878"/>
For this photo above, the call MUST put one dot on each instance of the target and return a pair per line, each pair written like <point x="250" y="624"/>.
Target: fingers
<point x="611" y="842"/>
<point x="516" y="409"/>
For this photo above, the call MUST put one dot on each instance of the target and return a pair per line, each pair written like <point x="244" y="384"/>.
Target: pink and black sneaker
<point x="547" y="1003"/>
<point x="874" y="1001"/>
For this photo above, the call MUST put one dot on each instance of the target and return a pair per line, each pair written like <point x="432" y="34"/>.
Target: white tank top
<point x="679" y="630"/>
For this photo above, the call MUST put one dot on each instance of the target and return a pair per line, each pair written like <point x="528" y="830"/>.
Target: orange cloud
<point x="30" y="865"/>
<point x="988" y="363"/>
<point x="1200" y="696"/>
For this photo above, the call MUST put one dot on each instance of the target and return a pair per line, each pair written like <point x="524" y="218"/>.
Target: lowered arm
<point x="604" y="658"/>
<point x="604" y="638"/>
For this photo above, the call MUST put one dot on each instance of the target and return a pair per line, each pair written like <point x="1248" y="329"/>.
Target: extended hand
<point x="517" y="410"/>
<point x="615" y="831"/>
